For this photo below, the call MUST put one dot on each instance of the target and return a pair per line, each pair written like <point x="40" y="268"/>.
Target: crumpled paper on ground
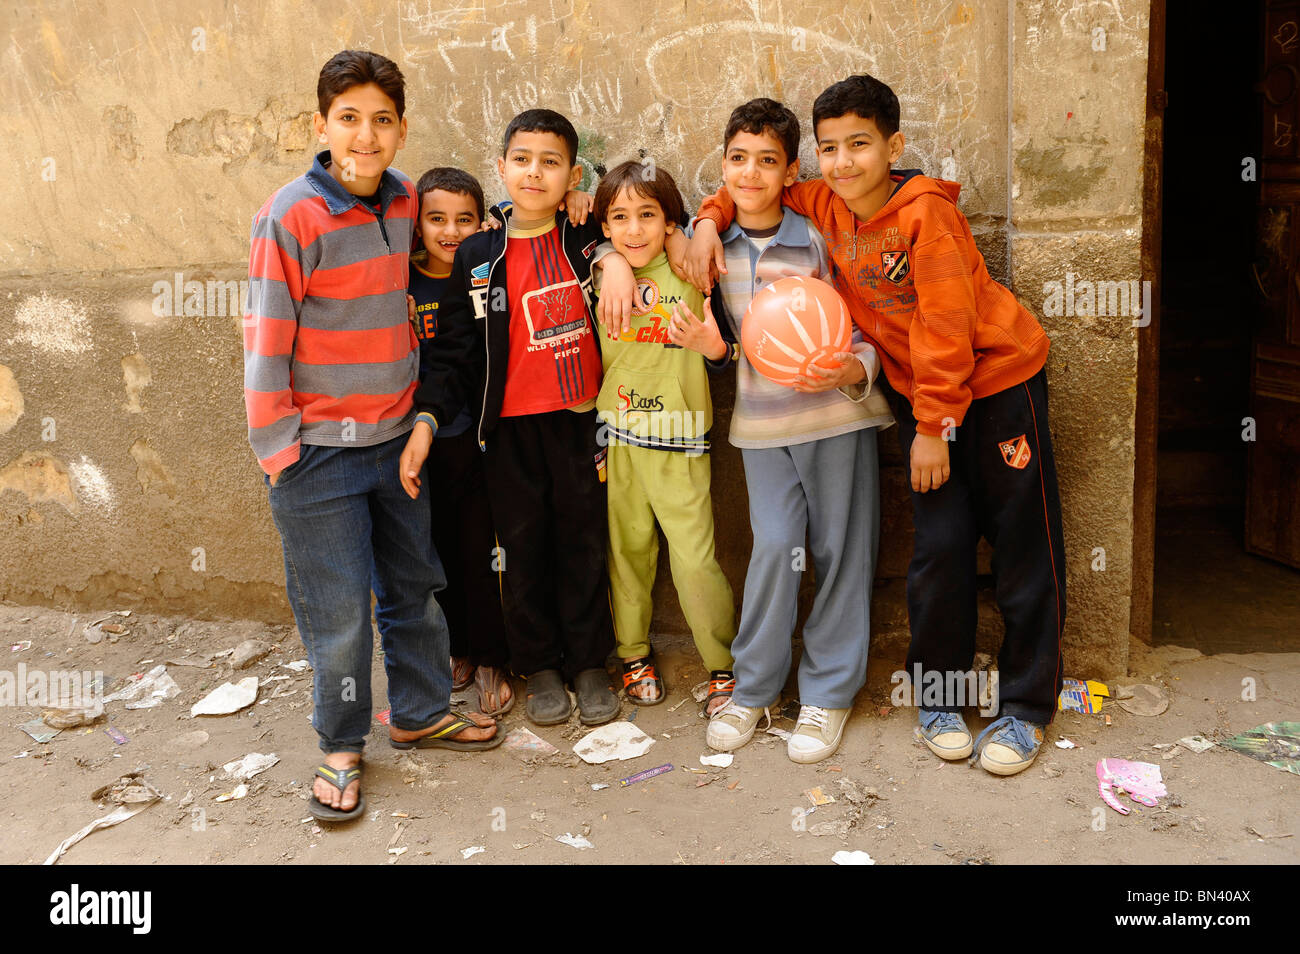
<point x="227" y="698"/>
<point x="577" y="841"/>
<point x="1273" y="743"/>
<point x="147" y="691"/>
<point x="129" y="789"/>
<point x="529" y="743"/>
<point x="142" y="794"/>
<point x="254" y="763"/>
<point x="617" y="740"/>
<point x="852" y="858"/>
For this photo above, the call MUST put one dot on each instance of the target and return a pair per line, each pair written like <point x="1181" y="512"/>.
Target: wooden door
<point x="1273" y="456"/>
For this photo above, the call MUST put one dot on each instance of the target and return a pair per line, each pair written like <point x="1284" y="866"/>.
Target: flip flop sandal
<point x="440" y="739"/>
<point x="548" y="701"/>
<point x="641" y="672"/>
<point x="458" y="684"/>
<point x="722" y="685"/>
<point x="340" y="779"/>
<point x="493" y="689"/>
<point x="597" y="703"/>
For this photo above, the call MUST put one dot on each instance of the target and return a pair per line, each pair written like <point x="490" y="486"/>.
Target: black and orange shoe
<point x="641" y="672"/>
<point x="722" y="683"/>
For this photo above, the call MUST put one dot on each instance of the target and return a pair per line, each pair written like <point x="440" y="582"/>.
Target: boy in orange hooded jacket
<point x="965" y="365"/>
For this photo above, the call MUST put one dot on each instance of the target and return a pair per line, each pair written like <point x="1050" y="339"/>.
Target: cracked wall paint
<point x="11" y="399"/>
<point x="39" y="478"/>
<point x="136" y="377"/>
<point x="150" y="472"/>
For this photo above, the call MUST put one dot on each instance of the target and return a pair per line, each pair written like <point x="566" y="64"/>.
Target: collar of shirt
<point x="338" y="199"/>
<point x="792" y="232"/>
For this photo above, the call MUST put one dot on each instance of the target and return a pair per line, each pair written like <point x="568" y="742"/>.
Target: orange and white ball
<point x="793" y="323"/>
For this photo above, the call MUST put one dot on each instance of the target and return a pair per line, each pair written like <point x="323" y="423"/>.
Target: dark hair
<point x="646" y="179"/>
<point x="765" y="115"/>
<point x="451" y="179"/>
<point x="358" y="68"/>
<point x="546" y="121"/>
<point x="861" y="95"/>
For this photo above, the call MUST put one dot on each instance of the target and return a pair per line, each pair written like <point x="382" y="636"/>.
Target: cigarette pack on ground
<point x="1079" y="696"/>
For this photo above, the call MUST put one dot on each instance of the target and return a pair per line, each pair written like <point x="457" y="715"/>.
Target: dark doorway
<point x="1209" y="592"/>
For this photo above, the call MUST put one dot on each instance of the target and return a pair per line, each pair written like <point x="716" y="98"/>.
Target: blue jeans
<point x="348" y="527"/>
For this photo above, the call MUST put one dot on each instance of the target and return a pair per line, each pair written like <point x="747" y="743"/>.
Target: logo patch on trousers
<point x="600" y="464"/>
<point x="1015" y="452"/>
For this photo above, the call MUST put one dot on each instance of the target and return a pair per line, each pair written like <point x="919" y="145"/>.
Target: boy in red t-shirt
<point x="516" y="344"/>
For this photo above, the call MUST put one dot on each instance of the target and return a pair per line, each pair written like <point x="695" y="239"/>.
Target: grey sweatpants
<point x="829" y="489"/>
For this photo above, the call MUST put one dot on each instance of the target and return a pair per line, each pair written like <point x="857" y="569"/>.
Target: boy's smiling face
<point x="855" y="159"/>
<point x="537" y="171"/>
<point x="446" y="220"/>
<point x="363" y="132"/>
<point x="755" y="169"/>
<point x="637" y="227"/>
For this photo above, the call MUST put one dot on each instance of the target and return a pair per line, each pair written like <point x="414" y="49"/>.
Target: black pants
<point x="1003" y="487"/>
<point x="463" y="536"/>
<point x="548" y="506"/>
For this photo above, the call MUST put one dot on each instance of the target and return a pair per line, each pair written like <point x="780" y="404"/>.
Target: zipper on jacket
<point x="487" y="349"/>
<point x="591" y="319"/>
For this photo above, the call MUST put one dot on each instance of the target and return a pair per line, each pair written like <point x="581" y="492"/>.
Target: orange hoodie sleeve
<point x="812" y="198"/>
<point x="943" y="328"/>
<point x="718" y="209"/>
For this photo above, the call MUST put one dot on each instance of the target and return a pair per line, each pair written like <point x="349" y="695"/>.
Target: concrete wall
<point x="152" y="133"/>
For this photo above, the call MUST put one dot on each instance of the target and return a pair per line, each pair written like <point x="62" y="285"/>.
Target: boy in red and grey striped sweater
<point x="330" y="366"/>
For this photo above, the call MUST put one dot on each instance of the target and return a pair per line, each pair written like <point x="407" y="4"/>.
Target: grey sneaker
<point x="945" y="734"/>
<point x="1012" y="748"/>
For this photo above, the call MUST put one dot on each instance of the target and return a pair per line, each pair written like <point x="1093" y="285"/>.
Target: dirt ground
<point x="894" y="800"/>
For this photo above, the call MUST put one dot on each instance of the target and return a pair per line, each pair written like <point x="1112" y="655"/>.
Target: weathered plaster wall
<point x="153" y="132"/>
<point x="1078" y="83"/>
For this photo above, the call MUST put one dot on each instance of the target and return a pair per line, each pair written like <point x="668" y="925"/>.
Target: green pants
<point x="646" y="485"/>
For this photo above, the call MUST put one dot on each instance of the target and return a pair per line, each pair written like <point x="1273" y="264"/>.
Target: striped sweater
<point x="768" y="414"/>
<point x="329" y="355"/>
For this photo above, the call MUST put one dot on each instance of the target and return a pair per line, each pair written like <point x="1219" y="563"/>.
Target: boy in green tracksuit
<point x="656" y="414"/>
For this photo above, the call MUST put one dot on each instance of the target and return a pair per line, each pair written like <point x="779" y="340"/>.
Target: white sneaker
<point x="817" y="733"/>
<point x="733" y="725"/>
